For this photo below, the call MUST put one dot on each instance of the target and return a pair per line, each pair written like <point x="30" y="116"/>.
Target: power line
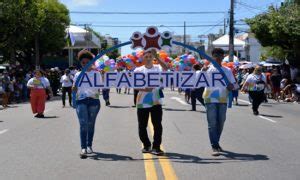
<point x="131" y="26"/>
<point x="141" y="22"/>
<point x="146" y="13"/>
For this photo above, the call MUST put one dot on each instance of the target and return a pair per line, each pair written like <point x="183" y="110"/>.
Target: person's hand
<point x="74" y="89"/>
<point x="154" y="53"/>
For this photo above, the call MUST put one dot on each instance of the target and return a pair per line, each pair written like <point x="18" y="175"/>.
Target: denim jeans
<point x="87" y="111"/>
<point x="216" y="116"/>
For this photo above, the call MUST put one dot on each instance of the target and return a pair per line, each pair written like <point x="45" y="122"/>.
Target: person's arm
<point x="29" y="84"/>
<point x="160" y="61"/>
<point x="245" y="85"/>
<point x="74" y="88"/>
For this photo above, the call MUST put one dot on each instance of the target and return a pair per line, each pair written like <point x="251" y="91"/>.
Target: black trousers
<point x="64" y="91"/>
<point x="196" y="94"/>
<point x="257" y="98"/>
<point x="135" y="93"/>
<point x="156" y="119"/>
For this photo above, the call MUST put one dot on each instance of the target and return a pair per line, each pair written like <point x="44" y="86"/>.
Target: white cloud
<point x="85" y="2"/>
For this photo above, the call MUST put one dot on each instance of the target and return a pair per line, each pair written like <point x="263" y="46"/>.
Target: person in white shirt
<point x="38" y="86"/>
<point x="152" y="105"/>
<point x="87" y="104"/>
<point x="216" y="99"/>
<point x="66" y="82"/>
<point x="255" y="85"/>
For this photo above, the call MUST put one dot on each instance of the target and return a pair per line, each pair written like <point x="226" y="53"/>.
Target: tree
<point x="28" y="20"/>
<point x="279" y="28"/>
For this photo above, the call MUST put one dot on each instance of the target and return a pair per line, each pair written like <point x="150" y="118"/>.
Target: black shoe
<point x="39" y="116"/>
<point x="220" y="149"/>
<point x="255" y="113"/>
<point x="83" y="154"/>
<point x="193" y="110"/>
<point x="107" y="103"/>
<point x="133" y="106"/>
<point x="146" y="150"/>
<point x="157" y="152"/>
<point x="215" y="152"/>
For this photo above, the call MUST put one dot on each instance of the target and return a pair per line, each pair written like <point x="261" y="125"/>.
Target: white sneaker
<point x="89" y="150"/>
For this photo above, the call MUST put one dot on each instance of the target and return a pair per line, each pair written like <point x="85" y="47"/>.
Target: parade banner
<point x="153" y="39"/>
<point x="185" y="79"/>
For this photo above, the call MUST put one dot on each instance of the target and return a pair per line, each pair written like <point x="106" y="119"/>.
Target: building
<point x="253" y="48"/>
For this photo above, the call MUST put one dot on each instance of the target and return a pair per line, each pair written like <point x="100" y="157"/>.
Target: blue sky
<point x="243" y="9"/>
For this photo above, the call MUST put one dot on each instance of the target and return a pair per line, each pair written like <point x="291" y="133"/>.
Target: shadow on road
<point x="1" y="121"/>
<point x="109" y="157"/>
<point x="274" y="116"/>
<point x="246" y="105"/>
<point x="173" y="109"/>
<point x="119" y="107"/>
<point x="244" y="157"/>
<point x="49" y="117"/>
<point x="225" y="157"/>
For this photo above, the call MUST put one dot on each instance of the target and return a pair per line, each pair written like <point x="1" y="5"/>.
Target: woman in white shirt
<point x="66" y="83"/>
<point x="255" y="85"/>
<point x="87" y="104"/>
<point x="38" y="86"/>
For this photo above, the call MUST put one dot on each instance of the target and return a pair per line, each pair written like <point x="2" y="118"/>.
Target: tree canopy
<point x="279" y="29"/>
<point x="24" y="20"/>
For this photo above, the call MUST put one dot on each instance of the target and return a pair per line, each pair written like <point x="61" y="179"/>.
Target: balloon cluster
<point x="129" y="62"/>
<point x="184" y="62"/>
<point x="105" y="64"/>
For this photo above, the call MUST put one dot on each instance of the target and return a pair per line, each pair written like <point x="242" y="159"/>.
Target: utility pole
<point x="184" y="35"/>
<point x="231" y="31"/>
<point x="224" y="32"/>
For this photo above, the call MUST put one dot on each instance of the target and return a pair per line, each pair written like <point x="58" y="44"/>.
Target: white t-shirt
<point x="217" y="94"/>
<point x="66" y="80"/>
<point x="39" y="83"/>
<point x="253" y="80"/>
<point x="88" y="92"/>
<point x="148" y="99"/>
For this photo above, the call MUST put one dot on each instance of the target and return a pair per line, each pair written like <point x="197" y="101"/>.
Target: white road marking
<point x="180" y="100"/>
<point x="244" y="101"/>
<point x="267" y="119"/>
<point x="3" y="131"/>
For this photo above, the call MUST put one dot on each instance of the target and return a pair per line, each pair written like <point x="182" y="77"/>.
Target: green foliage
<point x="24" y="20"/>
<point x="273" y="51"/>
<point x="279" y="28"/>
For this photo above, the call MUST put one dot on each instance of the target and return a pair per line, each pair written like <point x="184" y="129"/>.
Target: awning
<point x="223" y="42"/>
<point x="81" y="38"/>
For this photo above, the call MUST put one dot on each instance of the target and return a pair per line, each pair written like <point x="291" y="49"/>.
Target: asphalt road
<point x="257" y="147"/>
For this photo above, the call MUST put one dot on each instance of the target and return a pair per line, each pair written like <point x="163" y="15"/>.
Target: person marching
<point x="153" y="105"/>
<point x="255" y="85"/>
<point x="215" y="99"/>
<point x="196" y="94"/>
<point x="38" y="86"/>
<point x="66" y="82"/>
<point x="87" y="105"/>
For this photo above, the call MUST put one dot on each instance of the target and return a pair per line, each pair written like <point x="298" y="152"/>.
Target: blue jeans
<point x="216" y="116"/>
<point x="105" y="93"/>
<point x="87" y="110"/>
